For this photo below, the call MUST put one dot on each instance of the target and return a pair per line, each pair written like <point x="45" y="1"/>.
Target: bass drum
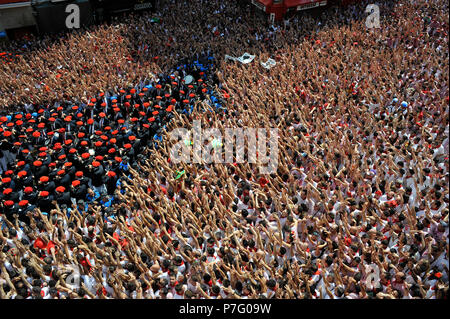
<point x="188" y="79"/>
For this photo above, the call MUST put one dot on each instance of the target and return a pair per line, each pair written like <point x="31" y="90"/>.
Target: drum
<point x="188" y="79"/>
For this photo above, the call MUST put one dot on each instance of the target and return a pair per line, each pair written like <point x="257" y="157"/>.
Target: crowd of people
<point x="92" y="206"/>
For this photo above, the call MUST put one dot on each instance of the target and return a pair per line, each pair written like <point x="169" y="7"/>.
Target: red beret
<point x="95" y="164"/>
<point x="76" y="183"/>
<point x="20" y="163"/>
<point x="60" y="189"/>
<point x="85" y="155"/>
<point x="43" y="194"/>
<point x="43" y="179"/>
<point x="61" y="172"/>
<point x="111" y="174"/>
<point x="37" y="163"/>
<point x="79" y="174"/>
<point x="6" y="180"/>
<point x="7" y="191"/>
<point x="127" y="146"/>
<point x="22" y="173"/>
<point x="68" y="164"/>
<point x="28" y="189"/>
<point x="90" y="121"/>
<point x="23" y="202"/>
<point x="9" y="203"/>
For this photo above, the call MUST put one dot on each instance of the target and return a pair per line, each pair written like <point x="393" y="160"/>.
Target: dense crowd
<point x="92" y="206"/>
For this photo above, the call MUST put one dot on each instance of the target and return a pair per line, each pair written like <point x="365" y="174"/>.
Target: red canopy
<point x="265" y="2"/>
<point x="11" y="1"/>
<point x="294" y="3"/>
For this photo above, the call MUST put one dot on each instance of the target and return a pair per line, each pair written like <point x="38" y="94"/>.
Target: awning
<point x="264" y="2"/>
<point x="294" y="3"/>
<point x="11" y="1"/>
